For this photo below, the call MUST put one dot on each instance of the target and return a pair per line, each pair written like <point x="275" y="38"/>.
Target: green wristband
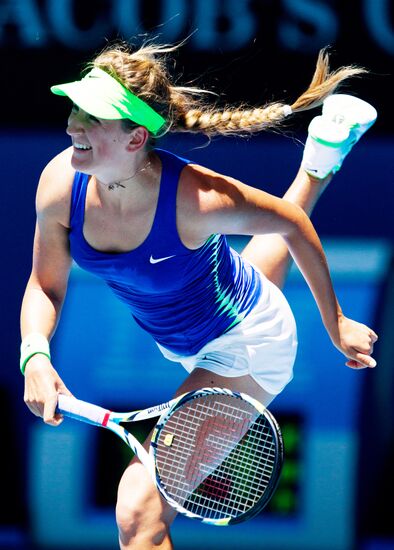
<point x="33" y="344"/>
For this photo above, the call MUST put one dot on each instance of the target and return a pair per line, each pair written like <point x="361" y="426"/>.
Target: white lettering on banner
<point x="25" y="16"/>
<point x="60" y="13"/>
<point x="174" y="17"/>
<point x="377" y="17"/>
<point x="127" y="20"/>
<point x="320" y="18"/>
<point x="241" y="24"/>
<point x="302" y="25"/>
<point x="126" y="17"/>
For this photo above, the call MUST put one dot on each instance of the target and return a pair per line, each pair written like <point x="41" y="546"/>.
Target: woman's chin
<point x="79" y="164"/>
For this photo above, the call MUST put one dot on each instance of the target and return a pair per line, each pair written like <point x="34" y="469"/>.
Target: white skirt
<point x="263" y="345"/>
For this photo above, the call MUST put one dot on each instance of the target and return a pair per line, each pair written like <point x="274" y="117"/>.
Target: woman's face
<point x="99" y="146"/>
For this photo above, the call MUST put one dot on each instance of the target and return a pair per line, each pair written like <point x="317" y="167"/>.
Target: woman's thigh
<point x="202" y="378"/>
<point x="140" y="506"/>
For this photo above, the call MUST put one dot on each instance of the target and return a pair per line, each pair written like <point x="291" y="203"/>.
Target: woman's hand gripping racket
<point x="215" y="455"/>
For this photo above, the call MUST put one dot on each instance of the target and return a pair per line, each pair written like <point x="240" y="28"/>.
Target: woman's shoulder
<point x="59" y="168"/>
<point x="209" y="187"/>
<point x="204" y="197"/>
<point x="55" y="185"/>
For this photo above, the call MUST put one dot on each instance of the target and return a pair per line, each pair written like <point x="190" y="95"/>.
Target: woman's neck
<point x="145" y="175"/>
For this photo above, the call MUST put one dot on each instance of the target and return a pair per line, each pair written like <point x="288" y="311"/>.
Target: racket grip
<point x="82" y="410"/>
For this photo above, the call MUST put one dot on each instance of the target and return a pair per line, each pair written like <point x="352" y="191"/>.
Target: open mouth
<point x="81" y="146"/>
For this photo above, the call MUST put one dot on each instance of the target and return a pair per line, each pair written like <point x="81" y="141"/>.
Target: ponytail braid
<point x="145" y="74"/>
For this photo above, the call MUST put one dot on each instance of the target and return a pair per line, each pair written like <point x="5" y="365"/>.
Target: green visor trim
<point x="102" y="96"/>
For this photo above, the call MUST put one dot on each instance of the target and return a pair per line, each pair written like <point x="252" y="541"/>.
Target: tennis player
<point x="152" y="225"/>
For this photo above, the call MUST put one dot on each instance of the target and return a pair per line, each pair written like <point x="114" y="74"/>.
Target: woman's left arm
<point x="234" y="208"/>
<point x="353" y="339"/>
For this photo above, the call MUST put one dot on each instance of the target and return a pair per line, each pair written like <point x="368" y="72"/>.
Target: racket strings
<point x="249" y="482"/>
<point x="230" y="490"/>
<point x="216" y="457"/>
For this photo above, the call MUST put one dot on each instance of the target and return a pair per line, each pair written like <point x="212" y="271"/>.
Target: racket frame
<point x="274" y="480"/>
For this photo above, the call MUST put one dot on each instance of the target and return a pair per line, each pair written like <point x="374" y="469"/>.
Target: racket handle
<point x="82" y="410"/>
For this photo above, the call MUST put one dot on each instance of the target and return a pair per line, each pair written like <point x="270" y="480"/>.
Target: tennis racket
<point x="215" y="455"/>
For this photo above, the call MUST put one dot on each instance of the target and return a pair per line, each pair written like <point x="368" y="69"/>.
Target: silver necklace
<point x="118" y="183"/>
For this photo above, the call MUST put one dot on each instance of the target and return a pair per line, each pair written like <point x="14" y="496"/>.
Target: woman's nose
<point x="74" y="124"/>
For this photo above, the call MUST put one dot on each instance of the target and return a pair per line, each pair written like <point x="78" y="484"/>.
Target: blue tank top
<point x="184" y="298"/>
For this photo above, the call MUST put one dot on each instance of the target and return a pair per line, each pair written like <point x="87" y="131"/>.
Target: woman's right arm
<point x="47" y="285"/>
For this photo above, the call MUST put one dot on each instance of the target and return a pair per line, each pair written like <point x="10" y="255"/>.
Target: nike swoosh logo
<point x="157" y="260"/>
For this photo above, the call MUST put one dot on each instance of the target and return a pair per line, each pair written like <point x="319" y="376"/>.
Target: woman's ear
<point x="138" y="138"/>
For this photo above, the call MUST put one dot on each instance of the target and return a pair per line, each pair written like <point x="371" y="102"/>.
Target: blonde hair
<point x="144" y="72"/>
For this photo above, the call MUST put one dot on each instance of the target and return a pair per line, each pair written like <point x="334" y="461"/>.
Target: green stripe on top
<point x="227" y="303"/>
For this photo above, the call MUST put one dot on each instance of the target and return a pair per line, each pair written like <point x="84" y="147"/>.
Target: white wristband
<point x="32" y="344"/>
